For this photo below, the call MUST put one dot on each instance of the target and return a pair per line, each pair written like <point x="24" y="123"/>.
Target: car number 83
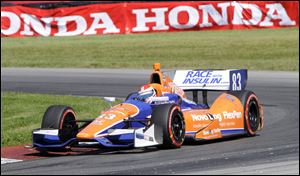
<point x="236" y="81"/>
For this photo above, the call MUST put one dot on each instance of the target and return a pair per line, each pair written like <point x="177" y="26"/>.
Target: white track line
<point x="7" y="160"/>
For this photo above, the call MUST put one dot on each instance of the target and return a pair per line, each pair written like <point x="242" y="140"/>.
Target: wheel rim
<point x="178" y="127"/>
<point x="253" y="115"/>
<point x="68" y="127"/>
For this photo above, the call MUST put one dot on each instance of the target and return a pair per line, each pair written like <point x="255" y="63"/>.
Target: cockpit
<point x="146" y="93"/>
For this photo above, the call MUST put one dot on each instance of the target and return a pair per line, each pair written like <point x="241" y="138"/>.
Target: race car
<point x="160" y="113"/>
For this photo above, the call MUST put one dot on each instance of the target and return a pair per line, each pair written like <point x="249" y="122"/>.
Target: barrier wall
<point x="126" y="18"/>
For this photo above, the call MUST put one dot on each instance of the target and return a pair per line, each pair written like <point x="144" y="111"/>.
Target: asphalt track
<point x="275" y="150"/>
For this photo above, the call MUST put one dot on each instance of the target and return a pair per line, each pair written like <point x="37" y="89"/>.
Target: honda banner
<point x="124" y="18"/>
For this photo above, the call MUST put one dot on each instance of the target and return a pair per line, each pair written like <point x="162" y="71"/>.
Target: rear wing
<point x="234" y="79"/>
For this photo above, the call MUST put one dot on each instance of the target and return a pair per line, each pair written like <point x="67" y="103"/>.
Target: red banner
<point x="123" y="18"/>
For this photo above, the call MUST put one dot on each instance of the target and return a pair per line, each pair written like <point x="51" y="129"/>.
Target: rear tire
<point x="252" y="114"/>
<point x="170" y="119"/>
<point x="63" y="118"/>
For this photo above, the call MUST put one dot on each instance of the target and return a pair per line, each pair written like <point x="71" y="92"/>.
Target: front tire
<point x="63" y="118"/>
<point x="170" y="119"/>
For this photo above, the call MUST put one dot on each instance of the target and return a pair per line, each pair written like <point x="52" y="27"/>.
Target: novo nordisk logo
<point x="224" y="115"/>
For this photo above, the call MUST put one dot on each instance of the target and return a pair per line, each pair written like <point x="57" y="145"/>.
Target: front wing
<point x="141" y="137"/>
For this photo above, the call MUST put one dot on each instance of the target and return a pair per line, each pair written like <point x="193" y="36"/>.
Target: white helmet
<point x="146" y="93"/>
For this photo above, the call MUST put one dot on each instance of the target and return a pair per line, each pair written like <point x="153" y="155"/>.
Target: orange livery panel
<point x="106" y="120"/>
<point x="226" y="113"/>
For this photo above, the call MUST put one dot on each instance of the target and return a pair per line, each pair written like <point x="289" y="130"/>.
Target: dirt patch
<point x="25" y="153"/>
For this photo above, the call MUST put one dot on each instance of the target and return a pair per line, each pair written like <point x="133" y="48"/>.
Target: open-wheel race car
<point x="159" y="114"/>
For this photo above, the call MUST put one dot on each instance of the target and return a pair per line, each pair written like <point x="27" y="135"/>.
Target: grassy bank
<point x="261" y="49"/>
<point x="23" y="112"/>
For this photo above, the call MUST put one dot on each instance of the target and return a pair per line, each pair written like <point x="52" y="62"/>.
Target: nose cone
<point x="108" y="119"/>
<point x="83" y="135"/>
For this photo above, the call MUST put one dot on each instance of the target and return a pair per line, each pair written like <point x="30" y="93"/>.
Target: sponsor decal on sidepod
<point x="220" y="116"/>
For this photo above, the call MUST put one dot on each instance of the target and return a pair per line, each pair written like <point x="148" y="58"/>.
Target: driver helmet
<point x="146" y="92"/>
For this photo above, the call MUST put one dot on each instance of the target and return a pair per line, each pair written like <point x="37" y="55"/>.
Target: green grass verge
<point x="257" y="49"/>
<point x="23" y="112"/>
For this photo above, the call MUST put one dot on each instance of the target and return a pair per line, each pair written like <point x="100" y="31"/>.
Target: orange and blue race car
<point x="160" y="114"/>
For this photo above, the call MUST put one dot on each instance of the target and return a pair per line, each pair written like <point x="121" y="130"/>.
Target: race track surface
<point x="275" y="150"/>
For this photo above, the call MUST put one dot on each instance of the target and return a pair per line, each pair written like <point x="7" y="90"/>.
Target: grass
<point x="257" y="49"/>
<point x="23" y="112"/>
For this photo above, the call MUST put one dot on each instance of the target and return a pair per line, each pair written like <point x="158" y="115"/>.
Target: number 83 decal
<point x="108" y="116"/>
<point x="236" y="81"/>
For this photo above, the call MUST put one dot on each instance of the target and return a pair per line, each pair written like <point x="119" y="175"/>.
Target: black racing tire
<point x="63" y="118"/>
<point x="252" y="113"/>
<point x="170" y="119"/>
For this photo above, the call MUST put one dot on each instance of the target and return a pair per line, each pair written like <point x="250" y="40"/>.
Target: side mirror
<point x="110" y="100"/>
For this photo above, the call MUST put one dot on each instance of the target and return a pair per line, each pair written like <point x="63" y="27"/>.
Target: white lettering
<point x="141" y="19"/>
<point x="107" y="116"/>
<point x="196" y="117"/>
<point x="281" y="14"/>
<point x="78" y="22"/>
<point x="192" y="13"/>
<point x="107" y="24"/>
<point x="238" y="17"/>
<point x="36" y="24"/>
<point x="232" y="115"/>
<point x="149" y="19"/>
<point x="199" y="117"/>
<point x="219" y="19"/>
<point x="211" y="131"/>
<point x="15" y="23"/>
